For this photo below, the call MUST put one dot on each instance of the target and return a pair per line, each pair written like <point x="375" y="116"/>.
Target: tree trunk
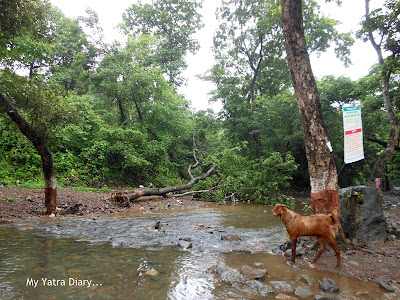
<point x="323" y="175"/>
<point x="125" y="198"/>
<point x="379" y="166"/>
<point x="121" y="111"/>
<point x="44" y="152"/>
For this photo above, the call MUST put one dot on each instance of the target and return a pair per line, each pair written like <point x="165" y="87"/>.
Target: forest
<point x="111" y="115"/>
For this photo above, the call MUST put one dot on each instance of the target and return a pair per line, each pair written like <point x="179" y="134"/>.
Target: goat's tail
<point x="333" y="218"/>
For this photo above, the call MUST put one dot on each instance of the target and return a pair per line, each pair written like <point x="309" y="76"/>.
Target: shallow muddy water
<point x="109" y="257"/>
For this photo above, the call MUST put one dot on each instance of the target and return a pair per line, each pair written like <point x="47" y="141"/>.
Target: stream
<point x="135" y="256"/>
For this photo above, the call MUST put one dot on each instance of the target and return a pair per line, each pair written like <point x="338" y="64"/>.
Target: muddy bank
<point x="22" y="203"/>
<point x="366" y="261"/>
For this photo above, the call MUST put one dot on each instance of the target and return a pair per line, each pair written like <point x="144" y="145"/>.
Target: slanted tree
<point x="17" y="19"/>
<point x="382" y="29"/>
<point x="323" y="175"/>
<point x="50" y="190"/>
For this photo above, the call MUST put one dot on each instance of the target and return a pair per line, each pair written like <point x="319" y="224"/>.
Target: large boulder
<point x="361" y="214"/>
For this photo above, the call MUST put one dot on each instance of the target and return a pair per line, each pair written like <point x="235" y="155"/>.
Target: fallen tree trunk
<point x="124" y="199"/>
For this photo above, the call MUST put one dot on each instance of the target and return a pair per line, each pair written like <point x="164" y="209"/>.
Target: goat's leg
<point x="321" y="248"/>
<point x="294" y="244"/>
<point x="331" y="242"/>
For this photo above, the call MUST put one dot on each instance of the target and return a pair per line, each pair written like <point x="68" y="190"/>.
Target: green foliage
<point x="385" y="23"/>
<point x="320" y="32"/>
<point x="172" y="23"/>
<point x="19" y="159"/>
<point x="252" y="74"/>
<point x="256" y="181"/>
<point x="112" y="117"/>
<point x="18" y="18"/>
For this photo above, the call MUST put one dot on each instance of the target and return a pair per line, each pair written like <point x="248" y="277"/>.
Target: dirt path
<point x="22" y="203"/>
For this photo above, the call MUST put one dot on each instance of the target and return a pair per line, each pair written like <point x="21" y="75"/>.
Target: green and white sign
<point x="353" y="136"/>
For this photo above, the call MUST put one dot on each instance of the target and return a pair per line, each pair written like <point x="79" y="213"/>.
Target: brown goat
<point x="319" y="225"/>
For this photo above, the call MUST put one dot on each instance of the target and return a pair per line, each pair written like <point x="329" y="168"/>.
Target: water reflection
<point x="57" y="266"/>
<point x="64" y="268"/>
<point x="191" y="279"/>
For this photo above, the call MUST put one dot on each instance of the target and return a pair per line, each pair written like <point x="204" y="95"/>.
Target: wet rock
<point x="278" y="251"/>
<point x="185" y="244"/>
<point x="323" y="297"/>
<point x="259" y="265"/>
<point x="158" y="225"/>
<point x="243" y="288"/>
<point x="281" y="286"/>
<point x="74" y="209"/>
<point x="386" y="286"/>
<point x="259" y="287"/>
<point x="152" y="272"/>
<point x="230" y="237"/>
<point x="328" y="285"/>
<point x="361" y="214"/>
<point x="237" y="280"/>
<point x="253" y="274"/>
<point x="229" y="275"/>
<point x="307" y="279"/>
<point x="303" y="293"/>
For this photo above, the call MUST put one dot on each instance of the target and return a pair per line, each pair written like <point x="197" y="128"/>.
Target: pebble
<point x="386" y="286"/>
<point x="281" y="286"/>
<point x="261" y="288"/>
<point x="185" y="244"/>
<point x="328" y="285"/>
<point x="152" y="272"/>
<point x="230" y="237"/>
<point x="251" y="274"/>
<point x="303" y="293"/>
<point x="307" y="279"/>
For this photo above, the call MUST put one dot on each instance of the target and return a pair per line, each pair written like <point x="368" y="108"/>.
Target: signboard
<point x="353" y="136"/>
